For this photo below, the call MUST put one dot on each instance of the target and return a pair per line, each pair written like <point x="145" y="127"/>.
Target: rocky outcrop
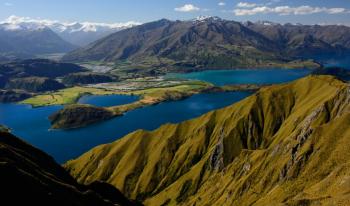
<point x="78" y="115"/>
<point x="284" y="145"/>
<point x="30" y="177"/>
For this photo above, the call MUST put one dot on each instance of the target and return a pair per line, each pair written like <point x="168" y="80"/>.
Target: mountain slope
<point x="30" y="177"/>
<point x="35" y="75"/>
<point x="287" y="145"/>
<point x="188" y="42"/>
<point x="34" y="84"/>
<point x="82" y="34"/>
<point x="39" y="67"/>
<point x="213" y="43"/>
<point x="306" y="40"/>
<point x="87" y="78"/>
<point x="26" y="43"/>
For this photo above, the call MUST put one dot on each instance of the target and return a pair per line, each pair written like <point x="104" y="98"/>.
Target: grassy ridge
<point x="287" y="144"/>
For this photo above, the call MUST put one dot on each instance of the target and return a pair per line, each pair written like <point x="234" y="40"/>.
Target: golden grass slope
<point x="285" y="145"/>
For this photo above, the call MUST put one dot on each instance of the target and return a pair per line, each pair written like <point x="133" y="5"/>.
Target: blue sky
<point x="109" y="11"/>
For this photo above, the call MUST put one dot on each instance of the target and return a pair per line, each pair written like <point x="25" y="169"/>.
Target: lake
<point x="244" y="76"/>
<point x="33" y="126"/>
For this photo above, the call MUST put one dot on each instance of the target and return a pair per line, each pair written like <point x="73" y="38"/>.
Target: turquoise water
<point x="32" y="124"/>
<point x="108" y="100"/>
<point x="241" y="76"/>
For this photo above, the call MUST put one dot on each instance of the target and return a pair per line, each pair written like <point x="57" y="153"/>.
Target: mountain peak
<point x="206" y="18"/>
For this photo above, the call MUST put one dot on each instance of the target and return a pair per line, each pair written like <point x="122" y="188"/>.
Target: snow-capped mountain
<point x="206" y="18"/>
<point x="77" y="33"/>
<point x="18" y="41"/>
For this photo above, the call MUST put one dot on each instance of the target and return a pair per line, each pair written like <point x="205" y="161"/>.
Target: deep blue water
<point x="243" y="76"/>
<point x="107" y="100"/>
<point x="32" y="125"/>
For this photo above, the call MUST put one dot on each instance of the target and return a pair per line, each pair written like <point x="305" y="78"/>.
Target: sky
<point x="112" y="11"/>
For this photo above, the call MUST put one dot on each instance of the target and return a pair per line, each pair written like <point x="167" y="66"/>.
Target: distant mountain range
<point x="27" y="42"/>
<point x="208" y="42"/>
<point x="305" y="40"/>
<point x="26" y="38"/>
<point x="76" y="33"/>
<point x="214" y="42"/>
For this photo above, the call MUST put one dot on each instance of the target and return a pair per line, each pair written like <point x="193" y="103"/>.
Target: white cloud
<point x="336" y="10"/>
<point x="18" y="19"/>
<point x="8" y="4"/>
<point x="187" y="8"/>
<point x="246" y="5"/>
<point x="221" y="3"/>
<point x="287" y="10"/>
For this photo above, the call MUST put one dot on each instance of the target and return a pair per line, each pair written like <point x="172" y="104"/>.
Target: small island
<point x="150" y="94"/>
<point x="77" y="115"/>
<point x="150" y="90"/>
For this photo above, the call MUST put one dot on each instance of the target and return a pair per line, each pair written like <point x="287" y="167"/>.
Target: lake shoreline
<point x="68" y="144"/>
